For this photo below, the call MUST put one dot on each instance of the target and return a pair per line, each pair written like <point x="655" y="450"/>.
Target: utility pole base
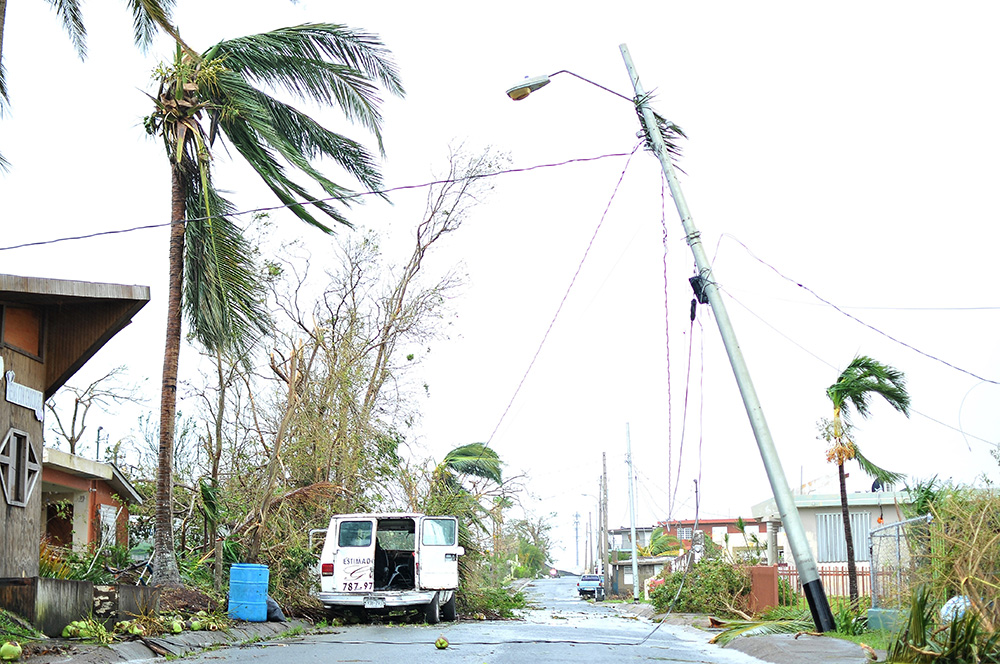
<point x="819" y="606"/>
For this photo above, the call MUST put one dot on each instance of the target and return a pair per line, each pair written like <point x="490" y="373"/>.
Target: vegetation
<point x="863" y="378"/>
<point x="713" y="585"/>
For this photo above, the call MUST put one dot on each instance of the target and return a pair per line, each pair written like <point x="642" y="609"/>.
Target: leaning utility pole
<point x="604" y="530"/>
<point x="631" y="509"/>
<point x="707" y="292"/>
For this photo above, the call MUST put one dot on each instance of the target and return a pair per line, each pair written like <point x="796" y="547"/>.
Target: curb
<point x="157" y="647"/>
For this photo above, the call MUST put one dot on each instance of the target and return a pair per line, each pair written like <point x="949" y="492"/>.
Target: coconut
<point x="10" y="651"/>
<point x="441" y="643"/>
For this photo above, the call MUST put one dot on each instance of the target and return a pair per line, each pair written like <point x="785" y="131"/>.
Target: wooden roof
<point x="80" y="317"/>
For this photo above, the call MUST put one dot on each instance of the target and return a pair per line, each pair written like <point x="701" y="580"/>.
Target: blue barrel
<point x="248" y="592"/>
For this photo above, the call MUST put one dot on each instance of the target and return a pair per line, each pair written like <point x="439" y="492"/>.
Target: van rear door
<point x="354" y="559"/>
<point x="438" y="552"/>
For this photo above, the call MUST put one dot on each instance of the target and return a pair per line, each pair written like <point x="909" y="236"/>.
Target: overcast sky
<point x="848" y="147"/>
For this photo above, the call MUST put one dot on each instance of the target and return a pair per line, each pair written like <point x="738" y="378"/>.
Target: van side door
<point x="438" y="552"/>
<point x="354" y="556"/>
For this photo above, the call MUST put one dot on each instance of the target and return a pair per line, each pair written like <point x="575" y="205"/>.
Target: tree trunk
<point x="852" y="569"/>
<point x="165" y="571"/>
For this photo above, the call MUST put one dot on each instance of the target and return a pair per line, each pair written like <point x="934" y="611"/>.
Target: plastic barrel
<point x="248" y="592"/>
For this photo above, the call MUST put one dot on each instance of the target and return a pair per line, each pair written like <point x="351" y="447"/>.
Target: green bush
<point x="713" y="585"/>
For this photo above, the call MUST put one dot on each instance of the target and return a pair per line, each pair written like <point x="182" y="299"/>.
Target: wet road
<point x="558" y="628"/>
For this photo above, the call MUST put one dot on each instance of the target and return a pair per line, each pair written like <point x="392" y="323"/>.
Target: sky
<point x="840" y="165"/>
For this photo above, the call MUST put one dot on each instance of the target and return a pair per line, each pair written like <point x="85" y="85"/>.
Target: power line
<point x="855" y="318"/>
<point x="343" y="197"/>
<point x="565" y="296"/>
<point x="834" y="367"/>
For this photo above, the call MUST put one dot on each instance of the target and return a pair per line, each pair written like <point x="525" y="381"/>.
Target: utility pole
<point x="631" y="509"/>
<point x="707" y="291"/>
<point x="604" y="519"/>
<point x="576" y="531"/>
<point x="589" y="557"/>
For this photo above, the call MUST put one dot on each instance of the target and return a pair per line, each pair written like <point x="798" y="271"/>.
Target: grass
<point x="879" y="639"/>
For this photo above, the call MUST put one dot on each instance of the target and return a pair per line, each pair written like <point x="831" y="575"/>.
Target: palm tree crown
<point x="863" y="378"/>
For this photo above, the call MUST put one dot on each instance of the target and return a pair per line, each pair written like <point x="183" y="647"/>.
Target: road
<point x="559" y="628"/>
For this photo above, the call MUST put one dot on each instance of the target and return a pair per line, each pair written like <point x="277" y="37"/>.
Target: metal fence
<point x="896" y="552"/>
<point x="836" y="581"/>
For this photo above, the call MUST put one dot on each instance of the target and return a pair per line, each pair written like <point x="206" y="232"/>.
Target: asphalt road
<point x="559" y="628"/>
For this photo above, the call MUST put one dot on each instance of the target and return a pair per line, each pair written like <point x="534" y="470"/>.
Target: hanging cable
<point x="687" y="392"/>
<point x="563" y="301"/>
<point x="666" y="328"/>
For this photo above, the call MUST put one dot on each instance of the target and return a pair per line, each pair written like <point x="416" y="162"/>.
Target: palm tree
<point x="218" y="93"/>
<point x="147" y="17"/>
<point x="862" y="378"/>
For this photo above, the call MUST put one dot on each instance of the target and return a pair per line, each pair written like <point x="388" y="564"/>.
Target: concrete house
<point x="822" y="520"/>
<point x="84" y="503"/>
<point x="48" y="329"/>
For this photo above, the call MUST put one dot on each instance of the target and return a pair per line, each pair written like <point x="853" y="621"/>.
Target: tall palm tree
<point x="148" y="16"/>
<point x="863" y="378"/>
<point x="220" y="93"/>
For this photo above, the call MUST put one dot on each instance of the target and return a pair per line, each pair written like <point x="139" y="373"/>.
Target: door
<point x="437" y="553"/>
<point x="354" y="557"/>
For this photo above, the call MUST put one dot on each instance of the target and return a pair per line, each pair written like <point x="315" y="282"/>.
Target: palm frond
<point x="4" y="99"/>
<point x="886" y="477"/>
<point x="321" y="62"/>
<point x="251" y="118"/>
<point x="72" y="19"/>
<point x="224" y="299"/>
<point x="475" y="459"/>
<point x="737" y="628"/>
<point x="863" y="378"/>
<point x="149" y="16"/>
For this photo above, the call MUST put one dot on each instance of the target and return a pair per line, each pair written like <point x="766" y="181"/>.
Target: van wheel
<point x="448" y="611"/>
<point x="432" y="612"/>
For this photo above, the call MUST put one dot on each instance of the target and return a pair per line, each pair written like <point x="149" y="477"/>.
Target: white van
<point x="390" y="562"/>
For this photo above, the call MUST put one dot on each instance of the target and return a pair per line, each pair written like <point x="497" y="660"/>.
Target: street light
<point x="707" y="291"/>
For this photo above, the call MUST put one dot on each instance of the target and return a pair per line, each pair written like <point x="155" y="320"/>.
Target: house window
<point x="22" y="330"/>
<point x="830" y="543"/>
<point x="684" y="532"/>
<point x="19" y="468"/>
<point x="109" y="524"/>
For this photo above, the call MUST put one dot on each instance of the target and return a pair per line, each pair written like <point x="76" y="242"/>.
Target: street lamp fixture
<point x="527" y="86"/>
<point x="804" y="560"/>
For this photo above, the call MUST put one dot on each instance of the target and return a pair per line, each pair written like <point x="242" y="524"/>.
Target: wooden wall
<point x="20" y="527"/>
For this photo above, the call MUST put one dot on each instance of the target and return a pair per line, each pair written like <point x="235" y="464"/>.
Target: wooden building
<point x="48" y="329"/>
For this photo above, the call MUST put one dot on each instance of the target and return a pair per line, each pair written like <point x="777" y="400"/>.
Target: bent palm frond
<point x="886" y="477"/>
<point x="70" y="13"/>
<point x="475" y="459"/>
<point x="737" y="628"/>
<point x="320" y="62"/>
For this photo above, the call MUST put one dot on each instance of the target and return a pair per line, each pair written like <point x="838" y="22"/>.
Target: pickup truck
<point x="591" y="585"/>
<point x="380" y="563"/>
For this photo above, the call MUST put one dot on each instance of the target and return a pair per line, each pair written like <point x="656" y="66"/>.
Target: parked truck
<point x="383" y="563"/>
<point x="591" y="585"/>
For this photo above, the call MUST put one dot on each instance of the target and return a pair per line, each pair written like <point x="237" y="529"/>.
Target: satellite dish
<point x="876" y="485"/>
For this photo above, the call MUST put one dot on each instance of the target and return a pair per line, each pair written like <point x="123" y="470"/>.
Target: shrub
<point x="713" y="585"/>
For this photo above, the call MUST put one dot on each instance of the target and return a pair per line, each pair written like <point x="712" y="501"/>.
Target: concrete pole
<point x="805" y="563"/>
<point x="604" y="531"/>
<point x="631" y="509"/>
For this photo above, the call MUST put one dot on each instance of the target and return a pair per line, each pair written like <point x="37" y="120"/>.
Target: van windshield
<point x="355" y="533"/>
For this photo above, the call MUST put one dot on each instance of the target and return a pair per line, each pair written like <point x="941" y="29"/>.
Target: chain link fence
<point x="897" y="551"/>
